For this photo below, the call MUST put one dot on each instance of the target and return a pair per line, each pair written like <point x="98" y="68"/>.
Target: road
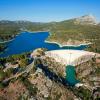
<point x="27" y="70"/>
<point x="51" y="75"/>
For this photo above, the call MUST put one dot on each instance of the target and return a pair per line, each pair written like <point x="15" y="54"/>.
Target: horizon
<point x="48" y="21"/>
<point x="47" y="10"/>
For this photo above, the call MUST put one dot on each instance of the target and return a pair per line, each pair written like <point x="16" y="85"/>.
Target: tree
<point x="1" y="67"/>
<point x="23" y="62"/>
<point x="9" y="72"/>
<point x="2" y="75"/>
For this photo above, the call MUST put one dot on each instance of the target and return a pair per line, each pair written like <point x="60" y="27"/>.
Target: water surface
<point x="27" y="41"/>
<point x="71" y="75"/>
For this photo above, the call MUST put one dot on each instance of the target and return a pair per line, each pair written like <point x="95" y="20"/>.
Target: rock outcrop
<point x="86" y="20"/>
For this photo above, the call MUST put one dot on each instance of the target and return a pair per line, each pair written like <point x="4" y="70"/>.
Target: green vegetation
<point x="15" y="58"/>
<point x="23" y="62"/>
<point x="62" y="32"/>
<point x="58" y="96"/>
<point x="32" y="89"/>
<point x="2" y="75"/>
<point x="20" y="59"/>
<point x="97" y="72"/>
<point x="2" y="47"/>
<point x="67" y="30"/>
<point x="9" y="72"/>
<point x="8" y="30"/>
<point x="85" y="94"/>
<point x="1" y="85"/>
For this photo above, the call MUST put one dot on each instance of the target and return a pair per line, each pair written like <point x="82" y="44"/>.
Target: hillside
<point x="70" y="32"/>
<point x="46" y="82"/>
<point x="74" y="31"/>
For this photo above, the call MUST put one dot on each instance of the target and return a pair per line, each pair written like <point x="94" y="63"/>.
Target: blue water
<point x="71" y="75"/>
<point x="27" y="41"/>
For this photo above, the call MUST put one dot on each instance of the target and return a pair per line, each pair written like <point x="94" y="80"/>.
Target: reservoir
<point x="27" y="41"/>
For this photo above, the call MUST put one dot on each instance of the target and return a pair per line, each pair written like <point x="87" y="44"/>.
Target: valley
<point x="50" y="61"/>
<point x="68" y="32"/>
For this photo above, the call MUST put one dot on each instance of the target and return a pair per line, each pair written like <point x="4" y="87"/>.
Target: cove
<point x="27" y="41"/>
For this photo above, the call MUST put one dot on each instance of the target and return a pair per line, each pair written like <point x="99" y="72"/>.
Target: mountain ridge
<point x="73" y="31"/>
<point x="83" y="18"/>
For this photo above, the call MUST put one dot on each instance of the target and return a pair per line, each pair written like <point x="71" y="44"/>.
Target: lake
<point x="27" y="41"/>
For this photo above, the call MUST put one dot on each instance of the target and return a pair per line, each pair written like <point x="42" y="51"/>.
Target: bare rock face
<point x="13" y="91"/>
<point x="48" y="89"/>
<point x="87" y="19"/>
<point x="84" y="69"/>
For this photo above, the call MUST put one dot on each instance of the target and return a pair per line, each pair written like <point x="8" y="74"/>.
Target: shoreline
<point x="46" y="41"/>
<point x="60" y="45"/>
<point x="10" y="39"/>
<point x="21" y="32"/>
<point x="34" y="31"/>
<point x="7" y="41"/>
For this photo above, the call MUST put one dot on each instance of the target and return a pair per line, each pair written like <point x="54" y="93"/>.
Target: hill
<point x="70" y="32"/>
<point x="75" y="31"/>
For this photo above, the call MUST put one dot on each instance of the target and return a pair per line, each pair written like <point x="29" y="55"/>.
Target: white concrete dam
<point x="71" y="57"/>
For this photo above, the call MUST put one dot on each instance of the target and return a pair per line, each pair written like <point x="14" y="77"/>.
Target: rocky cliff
<point x="86" y="20"/>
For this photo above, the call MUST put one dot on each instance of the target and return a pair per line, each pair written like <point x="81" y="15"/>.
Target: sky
<point x="47" y="10"/>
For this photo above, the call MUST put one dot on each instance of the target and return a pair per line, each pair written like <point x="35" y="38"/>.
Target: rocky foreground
<point x="35" y="85"/>
<point x="41" y="88"/>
